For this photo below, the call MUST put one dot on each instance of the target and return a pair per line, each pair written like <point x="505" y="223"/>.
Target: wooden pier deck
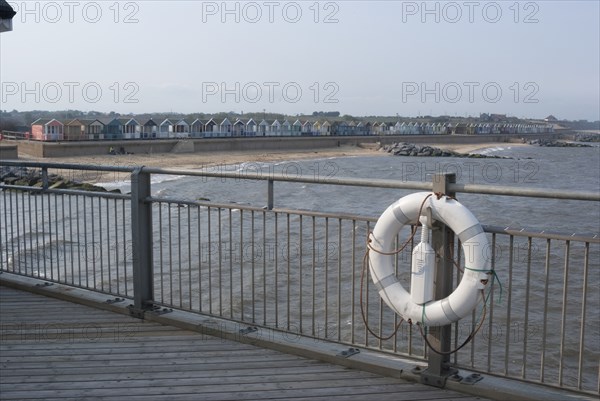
<point x="52" y="349"/>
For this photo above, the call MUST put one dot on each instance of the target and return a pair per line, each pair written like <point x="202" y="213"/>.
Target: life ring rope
<point x="422" y="327"/>
<point x="423" y="331"/>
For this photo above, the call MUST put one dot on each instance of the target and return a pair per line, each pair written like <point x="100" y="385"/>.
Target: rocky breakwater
<point x="410" y="149"/>
<point x="558" y="144"/>
<point x="587" y="138"/>
<point x="23" y="176"/>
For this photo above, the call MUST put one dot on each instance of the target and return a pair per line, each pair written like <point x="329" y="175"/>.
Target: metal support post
<point x="141" y="235"/>
<point x="438" y="369"/>
<point x="270" y="194"/>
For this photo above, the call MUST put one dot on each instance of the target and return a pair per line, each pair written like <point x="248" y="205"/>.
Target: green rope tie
<point x="494" y="278"/>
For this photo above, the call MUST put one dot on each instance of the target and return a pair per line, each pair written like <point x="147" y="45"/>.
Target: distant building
<point x="47" y="129"/>
<point x="550" y="119"/>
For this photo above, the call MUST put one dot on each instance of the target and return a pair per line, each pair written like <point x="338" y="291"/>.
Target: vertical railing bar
<point x="50" y="232"/>
<point x="15" y="212"/>
<point x="300" y="257"/>
<point x="490" y="307"/>
<point x="123" y="220"/>
<point x="31" y="259"/>
<point x="170" y="228"/>
<point x="189" y="243"/>
<point x="7" y="237"/>
<point x="12" y="235"/>
<point x="379" y="341"/>
<point x="288" y="272"/>
<point x="85" y="235"/>
<point x="583" y="313"/>
<point x="56" y="242"/>
<point x="526" y="317"/>
<point x="545" y="318"/>
<point x="365" y="295"/>
<point x="108" y="247"/>
<point x="314" y="272"/>
<point x="70" y="238"/>
<point x="25" y="258"/>
<point x="200" y="256"/>
<point x="25" y="214"/>
<point x="93" y="220"/>
<point x="353" y="275"/>
<point x="208" y="233"/>
<point x="508" y="302"/>
<point x="100" y="244"/>
<point x="26" y="255"/>
<point x="43" y="220"/>
<point x="380" y="324"/>
<point x="230" y="232"/>
<point x="17" y="238"/>
<point x="220" y="248"/>
<point x="71" y="242"/>
<point x="27" y="222"/>
<point x="4" y="243"/>
<point x="179" y="266"/>
<point x="326" y="284"/>
<point x="564" y="313"/>
<point x="115" y="207"/>
<point x="78" y="231"/>
<point x="339" y="289"/>
<point x="21" y="255"/>
<point x="10" y="253"/>
<point x="264" y="272"/>
<point x="63" y="234"/>
<point x="396" y="267"/>
<point x="242" y="264"/>
<point x="161" y="252"/>
<point x="253" y="266"/>
<point x="276" y="274"/>
<point x="410" y="327"/>
<point x="457" y="278"/>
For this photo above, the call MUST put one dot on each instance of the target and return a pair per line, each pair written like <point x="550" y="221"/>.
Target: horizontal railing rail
<point x="301" y="271"/>
<point x="353" y="182"/>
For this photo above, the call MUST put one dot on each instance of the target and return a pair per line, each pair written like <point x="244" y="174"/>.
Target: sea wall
<point x="9" y="152"/>
<point x="66" y="149"/>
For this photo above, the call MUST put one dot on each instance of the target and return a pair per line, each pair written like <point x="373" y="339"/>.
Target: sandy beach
<point x="206" y="159"/>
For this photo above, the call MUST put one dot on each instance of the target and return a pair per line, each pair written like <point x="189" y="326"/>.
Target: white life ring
<point x="465" y="297"/>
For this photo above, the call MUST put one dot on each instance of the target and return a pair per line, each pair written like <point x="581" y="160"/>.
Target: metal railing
<point x="299" y="271"/>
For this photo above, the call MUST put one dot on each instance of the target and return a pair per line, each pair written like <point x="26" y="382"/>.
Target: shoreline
<point x="194" y="161"/>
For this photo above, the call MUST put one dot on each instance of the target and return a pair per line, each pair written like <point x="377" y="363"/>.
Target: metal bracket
<point x="154" y="309"/>
<point x="348" y="353"/>
<point x="417" y="370"/>
<point x="136" y="312"/>
<point x="114" y="300"/>
<point x="157" y="310"/>
<point x="472" y="379"/>
<point x="45" y="284"/>
<point x="248" y="330"/>
<point x="437" y="380"/>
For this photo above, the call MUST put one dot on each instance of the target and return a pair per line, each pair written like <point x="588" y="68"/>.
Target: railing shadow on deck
<point x="299" y="271"/>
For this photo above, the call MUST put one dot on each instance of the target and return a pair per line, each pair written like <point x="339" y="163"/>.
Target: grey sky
<point x="527" y="59"/>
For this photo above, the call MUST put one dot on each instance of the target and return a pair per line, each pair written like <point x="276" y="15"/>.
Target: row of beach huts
<point x="51" y="129"/>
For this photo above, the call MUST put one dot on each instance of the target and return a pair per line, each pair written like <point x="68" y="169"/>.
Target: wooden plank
<point x="126" y="358"/>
